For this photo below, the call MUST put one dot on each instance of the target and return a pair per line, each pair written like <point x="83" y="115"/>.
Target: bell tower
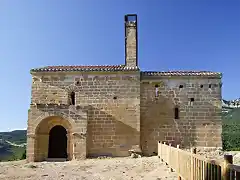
<point x="131" y="40"/>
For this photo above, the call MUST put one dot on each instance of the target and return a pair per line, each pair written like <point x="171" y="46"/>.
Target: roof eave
<point x="83" y="71"/>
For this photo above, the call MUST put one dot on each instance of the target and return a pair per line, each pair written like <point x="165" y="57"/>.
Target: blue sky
<point x="173" y="35"/>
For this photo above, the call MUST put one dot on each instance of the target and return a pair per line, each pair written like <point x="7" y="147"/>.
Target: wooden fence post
<point x="169" y="154"/>
<point x="178" y="165"/>
<point x="164" y="152"/>
<point x="169" y="157"/>
<point x="192" y="165"/>
<point x="228" y="159"/>
<point x="159" y="149"/>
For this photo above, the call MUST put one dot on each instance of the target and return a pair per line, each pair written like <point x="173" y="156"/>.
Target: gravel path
<point x="145" y="168"/>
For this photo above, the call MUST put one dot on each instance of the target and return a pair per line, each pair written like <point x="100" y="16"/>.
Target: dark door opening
<point x="57" y="147"/>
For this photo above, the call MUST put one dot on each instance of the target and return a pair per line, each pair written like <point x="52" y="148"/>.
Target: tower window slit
<point x="72" y="98"/>
<point x="176" y="112"/>
<point x="191" y="101"/>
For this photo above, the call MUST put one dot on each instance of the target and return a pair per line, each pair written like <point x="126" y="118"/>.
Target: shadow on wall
<point x="108" y="136"/>
<point x="107" y="132"/>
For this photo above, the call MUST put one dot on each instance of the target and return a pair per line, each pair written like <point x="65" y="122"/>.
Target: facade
<point x="84" y="111"/>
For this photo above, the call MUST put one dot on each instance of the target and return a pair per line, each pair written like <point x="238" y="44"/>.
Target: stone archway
<point x="47" y="132"/>
<point x="57" y="145"/>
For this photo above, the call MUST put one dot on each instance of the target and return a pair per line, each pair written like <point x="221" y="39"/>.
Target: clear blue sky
<point x="173" y="35"/>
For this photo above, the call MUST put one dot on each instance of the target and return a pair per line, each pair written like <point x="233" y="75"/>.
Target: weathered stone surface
<point x="107" y="113"/>
<point x="199" y="122"/>
<point x="107" y="110"/>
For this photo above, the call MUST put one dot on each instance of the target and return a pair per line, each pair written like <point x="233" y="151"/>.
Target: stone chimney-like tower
<point x="131" y="40"/>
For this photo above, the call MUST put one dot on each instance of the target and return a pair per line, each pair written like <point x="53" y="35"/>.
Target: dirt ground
<point x="145" y="168"/>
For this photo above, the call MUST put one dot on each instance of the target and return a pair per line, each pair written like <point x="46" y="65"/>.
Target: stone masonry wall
<point x="112" y="103"/>
<point x="199" y="122"/>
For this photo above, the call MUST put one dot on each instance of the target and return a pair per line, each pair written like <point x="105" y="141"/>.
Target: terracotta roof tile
<point x="111" y="68"/>
<point x="85" y="68"/>
<point x="181" y="73"/>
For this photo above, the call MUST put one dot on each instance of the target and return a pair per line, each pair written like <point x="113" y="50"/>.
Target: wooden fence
<point x="191" y="166"/>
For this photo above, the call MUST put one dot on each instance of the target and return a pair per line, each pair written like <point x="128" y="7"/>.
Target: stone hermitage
<point x="87" y="111"/>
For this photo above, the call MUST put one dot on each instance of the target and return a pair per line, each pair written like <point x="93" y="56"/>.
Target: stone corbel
<point x="31" y="136"/>
<point x="81" y="135"/>
<point x="33" y="104"/>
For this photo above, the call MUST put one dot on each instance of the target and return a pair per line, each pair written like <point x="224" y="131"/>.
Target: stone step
<point x="56" y="159"/>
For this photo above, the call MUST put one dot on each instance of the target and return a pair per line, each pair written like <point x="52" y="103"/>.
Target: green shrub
<point x="23" y="155"/>
<point x="231" y="136"/>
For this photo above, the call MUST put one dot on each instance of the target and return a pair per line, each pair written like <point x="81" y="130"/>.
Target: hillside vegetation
<point x="231" y="130"/>
<point x="12" y="145"/>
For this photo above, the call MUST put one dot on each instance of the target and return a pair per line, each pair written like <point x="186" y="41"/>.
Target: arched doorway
<point x="57" y="145"/>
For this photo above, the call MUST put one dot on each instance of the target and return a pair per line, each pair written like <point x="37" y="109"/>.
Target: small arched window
<point x="176" y="113"/>
<point x="72" y="98"/>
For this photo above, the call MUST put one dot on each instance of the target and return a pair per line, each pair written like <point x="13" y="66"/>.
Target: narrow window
<point x="209" y="86"/>
<point x="191" y="101"/>
<point x="72" y="98"/>
<point x="156" y="90"/>
<point x="180" y="86"/>
<point x="176" y="113"/>
<point x="201" y="86"/>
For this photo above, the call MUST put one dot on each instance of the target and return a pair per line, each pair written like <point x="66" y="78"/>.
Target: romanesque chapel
<point x="87" y="111"/>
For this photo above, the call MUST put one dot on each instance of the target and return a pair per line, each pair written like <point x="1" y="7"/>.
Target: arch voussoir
<point x="45" y="115"/>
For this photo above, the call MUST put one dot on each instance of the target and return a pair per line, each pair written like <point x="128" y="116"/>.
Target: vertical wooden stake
<point x="159" y="149"/>
<point x="178" y="163"/>
<point x="169" y="154"/>
<point x="228" y="159"/>
<point x="164" y="154"/>
<point x="169" y="157"/>
<point x="193" y="151"/>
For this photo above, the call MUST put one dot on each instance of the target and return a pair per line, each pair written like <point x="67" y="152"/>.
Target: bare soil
<point x="145" y="168"/>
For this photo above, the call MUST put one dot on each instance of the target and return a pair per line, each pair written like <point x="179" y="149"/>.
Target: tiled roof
<point x="181" y="73"/>
<point x="111" y="68"/>
<point x="84" y="68"/>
